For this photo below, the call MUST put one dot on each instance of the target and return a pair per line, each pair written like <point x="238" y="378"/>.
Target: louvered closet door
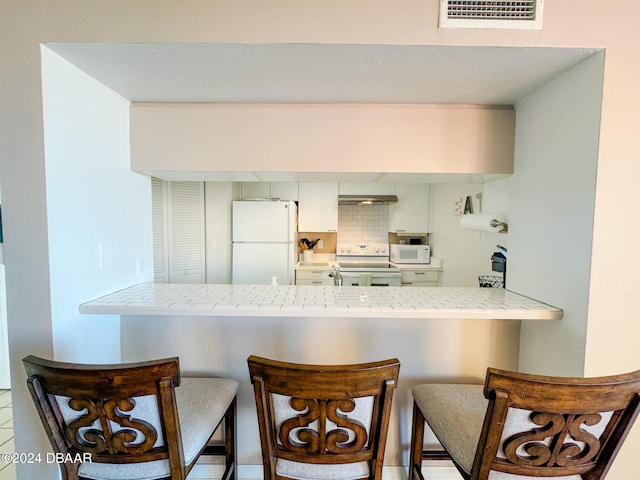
<point x="185" y="232"/>
<point x="160" y="240"/>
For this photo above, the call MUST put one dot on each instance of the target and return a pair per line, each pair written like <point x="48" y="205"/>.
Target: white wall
<point x="1" y="244"/>
<point x="465" y="253"/>
<point x="218" y="197"/>
<point x="92" y="201"/>
<point x="551" y="218"/>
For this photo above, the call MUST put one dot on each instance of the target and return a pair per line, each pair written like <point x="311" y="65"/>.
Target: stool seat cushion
<point x="201" y="404"/>
<point x="315" y="471"/>
<point x="455" y="414"/>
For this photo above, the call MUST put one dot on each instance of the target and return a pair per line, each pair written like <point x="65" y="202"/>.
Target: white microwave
<point x="410" y="253"/>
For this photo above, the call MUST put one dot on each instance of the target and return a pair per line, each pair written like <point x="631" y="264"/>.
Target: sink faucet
<point x="337" y="276"/>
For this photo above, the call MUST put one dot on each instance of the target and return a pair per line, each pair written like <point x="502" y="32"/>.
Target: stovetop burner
<point x="364" y="258"/>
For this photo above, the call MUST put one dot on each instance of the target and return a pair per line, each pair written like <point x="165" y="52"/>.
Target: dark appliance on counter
<point x="498" y="264"/>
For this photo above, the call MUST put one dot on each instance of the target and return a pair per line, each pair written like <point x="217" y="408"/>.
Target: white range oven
<point x="364" y="264"/>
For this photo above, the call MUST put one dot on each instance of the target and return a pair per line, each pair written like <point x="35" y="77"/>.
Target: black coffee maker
<point x="499" y="263"/>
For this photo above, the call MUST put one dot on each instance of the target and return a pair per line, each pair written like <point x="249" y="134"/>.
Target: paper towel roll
<point x="482" y="222"/>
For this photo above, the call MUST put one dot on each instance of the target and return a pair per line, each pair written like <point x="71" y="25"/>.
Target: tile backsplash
<point x="363" y="223"/>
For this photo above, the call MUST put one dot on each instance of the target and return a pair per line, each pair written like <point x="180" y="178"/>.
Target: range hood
<point x="366" y="199"/>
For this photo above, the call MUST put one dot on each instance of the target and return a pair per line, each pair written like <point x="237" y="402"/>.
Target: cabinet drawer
<point x="314" y="274"/>
<point x="419" y="276"/>
<point x="304" y="281"/>
<point x="419" y="284"/>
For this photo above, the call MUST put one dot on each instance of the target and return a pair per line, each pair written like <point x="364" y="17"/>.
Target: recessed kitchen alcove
<point x="556" y="138"/>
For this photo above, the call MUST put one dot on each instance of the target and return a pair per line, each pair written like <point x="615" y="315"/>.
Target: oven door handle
<point x="363" y="279"/>
<point x="378" y="275"/>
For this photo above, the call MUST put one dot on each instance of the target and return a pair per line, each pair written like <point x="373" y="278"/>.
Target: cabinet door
<point x="279" y="190"/>
<point x="420" y="278"/>
<point x="284" y="190"/>
<point x="318" y="207"/>
<point x="253" y="190"/>
<point x="411" y="213"/>
<point x="314" y="277"/>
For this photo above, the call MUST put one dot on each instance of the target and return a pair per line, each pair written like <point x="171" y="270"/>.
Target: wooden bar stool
<point x="323" y="422"/>
<point x="527" y="426"/>
<point x="133" y="421"/>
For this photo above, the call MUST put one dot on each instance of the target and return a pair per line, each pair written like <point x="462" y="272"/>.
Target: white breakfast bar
<point x="305" y="301"/>
<point x="438" y="334"/>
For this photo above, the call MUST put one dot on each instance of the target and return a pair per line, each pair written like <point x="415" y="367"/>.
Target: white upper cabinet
<point x="318" y="207"/>
<point x="253" y="190"/>
<point x="279" y="190"/>
<point x="284" y="190"/>
<point x="411" y="213"/>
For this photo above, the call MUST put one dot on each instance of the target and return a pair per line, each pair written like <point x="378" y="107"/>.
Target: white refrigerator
<point x="263" y="242"/>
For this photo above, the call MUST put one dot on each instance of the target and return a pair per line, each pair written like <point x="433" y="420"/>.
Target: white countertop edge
<point x="314" y="312"/>
<point x="305" y="301"/>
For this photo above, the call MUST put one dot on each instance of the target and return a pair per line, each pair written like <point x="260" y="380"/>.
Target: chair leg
<point x="230" y="447"/>
<point x="230" y="443"/>
<point x="417" y="441"/>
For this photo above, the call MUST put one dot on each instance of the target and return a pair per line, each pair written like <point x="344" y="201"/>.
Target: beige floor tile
<point x="6" y="414"/>
<point x="6" y="434"/>
<point x="8" y="473"/>
<point x="8" y="447"/>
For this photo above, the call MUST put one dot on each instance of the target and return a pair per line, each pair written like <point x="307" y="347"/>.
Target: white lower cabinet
<point x="316" y="276"/>
<point x="421" y="278"/>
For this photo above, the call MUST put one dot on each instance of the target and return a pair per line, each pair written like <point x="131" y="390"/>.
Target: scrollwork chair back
<point x="323" y="421"/>
<point x="125" y="416"/>
<point x="534" y="426"/>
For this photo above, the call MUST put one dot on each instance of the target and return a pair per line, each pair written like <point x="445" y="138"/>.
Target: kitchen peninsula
<point x="437" y="333"/>
<point x="304" y="301"/>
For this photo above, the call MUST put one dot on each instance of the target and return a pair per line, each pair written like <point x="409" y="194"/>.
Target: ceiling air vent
<point x="525" y="14"/>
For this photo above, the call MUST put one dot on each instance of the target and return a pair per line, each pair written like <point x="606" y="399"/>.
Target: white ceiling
<point x="320" y="73"/>
<point x="325" y="73"/>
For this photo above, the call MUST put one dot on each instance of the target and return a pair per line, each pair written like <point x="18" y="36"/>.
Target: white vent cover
<point x="524" y="14"/>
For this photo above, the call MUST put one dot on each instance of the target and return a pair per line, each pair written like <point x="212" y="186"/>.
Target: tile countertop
<point x="320" y="301"/>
